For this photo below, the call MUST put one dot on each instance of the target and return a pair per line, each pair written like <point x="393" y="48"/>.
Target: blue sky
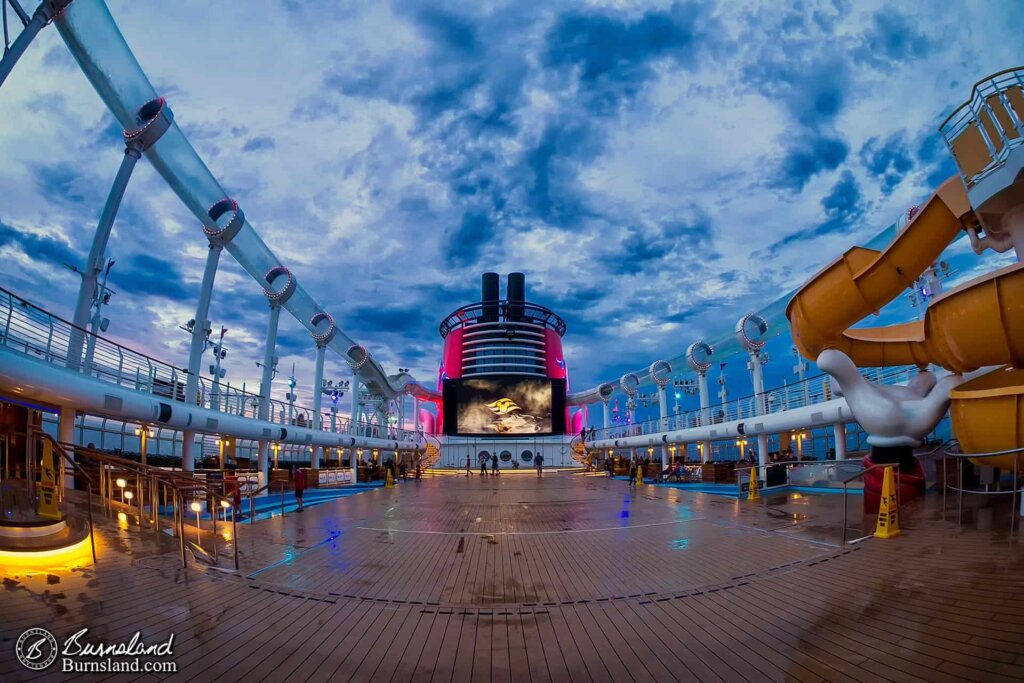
<point x="656" y="168"/>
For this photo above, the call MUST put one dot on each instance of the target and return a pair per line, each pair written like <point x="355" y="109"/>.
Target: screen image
<point x="504" y="407"/>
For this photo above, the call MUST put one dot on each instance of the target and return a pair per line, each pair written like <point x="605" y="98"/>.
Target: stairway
<point x="578" y="451"/>
<point x="431" y="455"/>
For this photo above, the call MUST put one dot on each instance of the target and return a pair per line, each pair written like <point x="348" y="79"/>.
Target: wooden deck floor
<point x="566" y="578"/>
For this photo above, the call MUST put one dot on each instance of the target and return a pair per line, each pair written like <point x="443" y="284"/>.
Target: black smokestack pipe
<point x="489" y="283"/>
<point x="516" y="295"/>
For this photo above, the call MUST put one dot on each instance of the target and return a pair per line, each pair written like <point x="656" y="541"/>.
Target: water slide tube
<point x="97" y="45"/>
<point x="977" y="324"/>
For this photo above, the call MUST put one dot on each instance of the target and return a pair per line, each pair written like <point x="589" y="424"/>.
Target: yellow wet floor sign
<point x="888" y="512"/>
<point x="48" y="485"/>
<point x="388" y="481"/>
<point x="753" y="493"/>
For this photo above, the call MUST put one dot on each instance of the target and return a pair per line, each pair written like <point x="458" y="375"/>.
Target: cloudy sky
<point x="656" y="168"/>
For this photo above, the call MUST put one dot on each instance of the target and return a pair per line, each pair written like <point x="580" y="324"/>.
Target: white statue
<point x="891" y="415"/>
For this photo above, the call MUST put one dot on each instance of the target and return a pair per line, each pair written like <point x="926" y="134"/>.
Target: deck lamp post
<point x="224" y="506"/>
<point x="291" y="395"/>
<point x="277" y="449"/>
<point x="220" y="455"/>
<point x="121" y="483"/>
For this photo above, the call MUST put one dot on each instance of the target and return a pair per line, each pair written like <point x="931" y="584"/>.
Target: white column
<point x="762" y="449"/>
<point x="663" y="410"/>
<point x="607" y="415"/>
<point x="269" y="349"/>
<point x="355" y="400"/>
<point x="416" y="414"/>
<point x="95" y="263"/>
<point x="318" y="396"/>
<point x="839" y="430"/>
<point x="198" y="345"/>
<point x="705" y="409"/>
<point x="758" y="381"/>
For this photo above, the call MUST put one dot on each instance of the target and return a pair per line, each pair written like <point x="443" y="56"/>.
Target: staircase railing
<point x="153" y="484"/>
<point x="61" y="483"/>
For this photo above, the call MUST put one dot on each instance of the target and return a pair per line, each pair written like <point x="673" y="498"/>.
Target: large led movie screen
<point x="504" y="406"/>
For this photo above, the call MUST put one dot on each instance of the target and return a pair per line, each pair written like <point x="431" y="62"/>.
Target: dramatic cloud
<point x="657" y="168"/>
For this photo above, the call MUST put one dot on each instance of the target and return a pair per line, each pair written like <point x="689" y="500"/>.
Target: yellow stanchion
<point x="639" y="477"/>
<point x="888" y="513"/>
<point x="753" y="492"/>
<point x="389" y="483"/>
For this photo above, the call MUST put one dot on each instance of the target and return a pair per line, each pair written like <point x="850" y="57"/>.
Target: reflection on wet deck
<point x="565" y="577"/>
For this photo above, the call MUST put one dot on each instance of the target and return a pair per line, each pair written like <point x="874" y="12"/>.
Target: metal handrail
<point x="960" y="482"/>
<point x="180" y="484"/>
<point x="970" y="113"/>
<point x="78" y="470"/>
<point x="793" y="396"/>
<point x="267" y="487"/>
<point x="976" y="91"/>
<point x="31" y="330"/>
<point x="790" y="464"/>
<point x="529" y="312"/>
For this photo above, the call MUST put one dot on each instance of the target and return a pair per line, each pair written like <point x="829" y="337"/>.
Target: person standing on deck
<point x="539" y="461"/>
<point x="483" y="464"/>
<point x="300" y="485"/>
<point x="494" y="464"/>
<point x="632" y="471"/>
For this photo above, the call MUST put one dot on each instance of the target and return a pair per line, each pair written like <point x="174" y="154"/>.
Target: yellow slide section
<point x="978" y="324"/>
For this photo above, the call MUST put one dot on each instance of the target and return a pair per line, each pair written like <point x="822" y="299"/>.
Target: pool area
<point x="734" y="490"/>
<point x="273" y="505"/>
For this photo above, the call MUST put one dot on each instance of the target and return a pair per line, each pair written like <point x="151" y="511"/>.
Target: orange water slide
<point x="978" y="324"/>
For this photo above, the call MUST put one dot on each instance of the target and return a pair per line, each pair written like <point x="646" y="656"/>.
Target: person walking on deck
<point x="483" y="464"/>
<point x="539" y="460"/>
<point x="300" y="485"/>
<point x="632" y="472"/>
<point x="469" y="465"/>
<point x="494" y="464"/>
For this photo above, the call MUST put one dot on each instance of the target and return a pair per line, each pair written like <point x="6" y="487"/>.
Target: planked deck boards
<point x="511" y="579"/>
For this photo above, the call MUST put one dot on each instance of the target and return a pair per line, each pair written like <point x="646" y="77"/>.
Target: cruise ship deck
<point x="740" y="397"/>
<point x="570" y="577"/>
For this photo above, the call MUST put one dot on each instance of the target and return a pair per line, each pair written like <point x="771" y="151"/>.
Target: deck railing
<point x="36" y="333"/>
<point x="981" y="132"/>
<point x="811" y="391"/>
